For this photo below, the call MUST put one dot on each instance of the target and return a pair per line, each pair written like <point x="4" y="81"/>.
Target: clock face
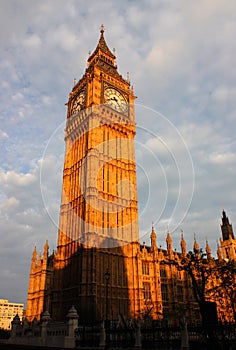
<point x="79" y="102"/>
<point x="116" y="100"/>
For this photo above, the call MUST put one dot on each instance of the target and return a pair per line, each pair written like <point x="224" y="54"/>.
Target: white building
<point x="8" y="311"/>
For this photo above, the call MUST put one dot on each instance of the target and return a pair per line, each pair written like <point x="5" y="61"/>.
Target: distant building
<point x="8" y="311"/>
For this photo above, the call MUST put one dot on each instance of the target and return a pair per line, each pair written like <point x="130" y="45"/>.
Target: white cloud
<point x="8" y="206"/>
<point x="18" y="97"/>
<point x="63" y="38"/>
<point x="12" y="179"/>
<point x="24" y="222"/>
<point x="32" y="42"/>
<point x="3" y="134"/>
<point x="224" y="159"/>
<point x="224" y="94"/>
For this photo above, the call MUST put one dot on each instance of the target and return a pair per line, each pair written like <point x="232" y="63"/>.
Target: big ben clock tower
<point x="94" y="266"/>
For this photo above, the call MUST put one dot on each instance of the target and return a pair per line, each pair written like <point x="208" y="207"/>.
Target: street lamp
<point x="107" y="325"/>
<point x="107" y="277"/>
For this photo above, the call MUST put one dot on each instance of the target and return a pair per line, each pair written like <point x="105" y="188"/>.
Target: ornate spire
<point x="226" y="227"/>
<point x="169" y="243"/>
<point x="208" y="250"/>
<point x="153" y="238"/>
<point x="45" y="252"/>
<point x="183" y="245"/>
<point x="225" y="219"/>
<point x="195" y="245"/>
<point x="34" y="258"/>
<point x="34" y="255"/>
<point x="102" y="49"/>
<point x="219" y="253"/>
<point x="169" y="246"/>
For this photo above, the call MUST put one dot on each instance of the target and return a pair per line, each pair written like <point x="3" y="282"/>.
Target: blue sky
<point x="181" y="57"/>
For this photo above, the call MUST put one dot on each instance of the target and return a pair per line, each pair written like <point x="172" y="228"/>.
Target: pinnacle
<point x="102" y="46"/>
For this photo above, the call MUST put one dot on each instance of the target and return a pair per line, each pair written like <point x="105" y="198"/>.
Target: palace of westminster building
<point x="100" y="266"/>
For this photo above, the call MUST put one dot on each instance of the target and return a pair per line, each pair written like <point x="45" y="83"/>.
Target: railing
<point x="56" y="329"/>
<point x="87" y="336"/>
<point x="223" y="336"/>
<point x="121" y="338"/>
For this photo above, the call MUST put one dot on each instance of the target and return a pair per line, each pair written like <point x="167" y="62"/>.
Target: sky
<point x="181" y="59"/>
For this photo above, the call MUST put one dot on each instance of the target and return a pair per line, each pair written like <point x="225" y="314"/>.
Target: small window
<point x="180" y="293"/>
<point x="164" y="292"/>
<point x="163" y="272"/>
<point x="145" y="268"/>
<point x="146" y="291"/>
<point x="227" y="250"/>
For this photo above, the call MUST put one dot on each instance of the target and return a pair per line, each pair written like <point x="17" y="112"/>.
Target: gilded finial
<point x="102" y="29"/>
<point x="74" y="81"/>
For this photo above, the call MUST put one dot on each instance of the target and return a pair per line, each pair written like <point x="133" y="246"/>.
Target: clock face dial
<point x="116" y="100"/>
<point x="79" y="102"/>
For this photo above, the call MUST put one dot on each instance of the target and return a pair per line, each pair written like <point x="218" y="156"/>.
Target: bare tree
<point x="225" y="284"/>
<point x="199" y="269"/>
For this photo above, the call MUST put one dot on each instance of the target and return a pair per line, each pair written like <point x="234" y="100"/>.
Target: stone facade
<point x="100" y="265"/>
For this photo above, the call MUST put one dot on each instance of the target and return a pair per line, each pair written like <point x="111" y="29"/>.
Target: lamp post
<point x="107" y="277"/>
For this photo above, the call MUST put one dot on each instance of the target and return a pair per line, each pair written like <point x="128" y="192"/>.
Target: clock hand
<point x="114" y="98"/>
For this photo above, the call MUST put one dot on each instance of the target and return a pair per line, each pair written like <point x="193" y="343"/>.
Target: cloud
<point x="223" y="159"/>
<point x="24" y="222"/>
<point x="3" y="134"/>
<point x="32" y="42"/>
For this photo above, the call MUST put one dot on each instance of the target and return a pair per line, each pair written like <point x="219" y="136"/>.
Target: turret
<point x="34" y="258"/>
<point x="45" y="252"/>
<point x="169" y="245"/>
<point x="195" y="245"/>
<point x="228" y="242"/>
<point x="208" y="250"/>
<point x="183" y="246"/>
<point x="226" y="228"/>
<point x="219" y="253"/>
<point x="169" y="242"/>
<point x="153" y="239"/>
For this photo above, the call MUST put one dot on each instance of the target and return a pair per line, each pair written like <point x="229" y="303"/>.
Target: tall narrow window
<point x="164" y="292"/>
<point x="108" y="180"/>
<point x="146" y="291"/>
<point x="180" y="293"/>
<point x="103" y="219"/>
<point x="145" y="268"/>
<point x="103" y="145"/>
<point x="103" y="179"/>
